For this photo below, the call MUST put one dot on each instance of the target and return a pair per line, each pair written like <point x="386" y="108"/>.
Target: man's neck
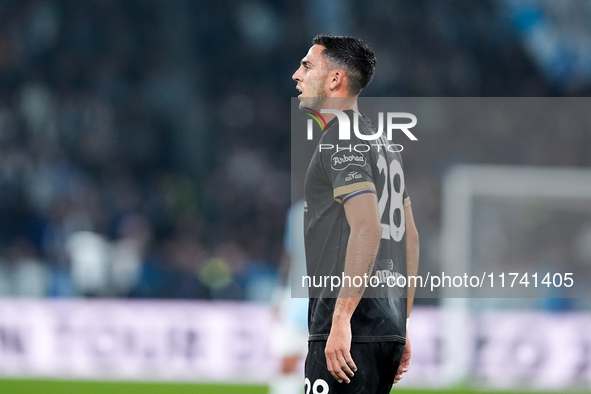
<point x="339" y="103"/>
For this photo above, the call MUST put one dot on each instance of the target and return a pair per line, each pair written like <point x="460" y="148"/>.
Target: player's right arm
<point x="364" y="240"/>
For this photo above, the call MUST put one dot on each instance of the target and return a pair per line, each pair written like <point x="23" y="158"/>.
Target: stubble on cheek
<point x="317" y="94"/>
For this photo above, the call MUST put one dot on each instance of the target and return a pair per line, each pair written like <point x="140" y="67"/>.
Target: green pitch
<point x="92" y="387"/>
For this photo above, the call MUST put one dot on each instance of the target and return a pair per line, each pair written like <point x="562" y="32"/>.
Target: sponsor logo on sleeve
<point x="352" y="175"/>
<point x="343" y="159"/>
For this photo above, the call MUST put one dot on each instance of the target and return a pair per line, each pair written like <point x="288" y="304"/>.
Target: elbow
<point x="412" y="235"/>
<point x="369" y="231"/>
<point x="376" y="231"/>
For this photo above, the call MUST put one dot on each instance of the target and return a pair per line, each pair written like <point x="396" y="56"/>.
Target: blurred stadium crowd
<point x="144" y="145"/>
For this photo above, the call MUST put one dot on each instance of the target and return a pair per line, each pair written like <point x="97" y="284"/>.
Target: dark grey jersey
<point x="335" y="175"/>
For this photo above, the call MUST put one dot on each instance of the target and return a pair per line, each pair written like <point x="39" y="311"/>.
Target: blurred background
<point x="145" y="164"/>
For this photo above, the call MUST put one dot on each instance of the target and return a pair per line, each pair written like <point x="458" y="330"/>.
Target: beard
<point x="317" y="100"/>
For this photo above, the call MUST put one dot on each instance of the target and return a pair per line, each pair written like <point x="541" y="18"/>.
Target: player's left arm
<point x="412" y="268"/>
<point x="412" y="254"/>
<point x="364" y="240"/>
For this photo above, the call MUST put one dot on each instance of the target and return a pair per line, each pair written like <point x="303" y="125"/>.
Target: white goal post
<point x="462" y="185"/>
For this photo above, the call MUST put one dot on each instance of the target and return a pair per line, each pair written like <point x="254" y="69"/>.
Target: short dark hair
<point x="353" y="55"/>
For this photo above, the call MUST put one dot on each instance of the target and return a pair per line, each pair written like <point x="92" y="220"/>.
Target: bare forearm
<point x="362" y="249"/>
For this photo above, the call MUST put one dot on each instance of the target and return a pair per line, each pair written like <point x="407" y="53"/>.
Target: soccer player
<point x="358" y="222"/>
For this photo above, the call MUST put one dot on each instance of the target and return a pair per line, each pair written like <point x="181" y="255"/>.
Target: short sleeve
<point x="351" y="174"/>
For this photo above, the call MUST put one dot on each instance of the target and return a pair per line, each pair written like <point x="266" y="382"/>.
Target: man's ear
<point x="336" y="80"/>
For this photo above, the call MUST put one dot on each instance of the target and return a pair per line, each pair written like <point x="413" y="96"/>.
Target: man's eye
<point x="306" y="67"/>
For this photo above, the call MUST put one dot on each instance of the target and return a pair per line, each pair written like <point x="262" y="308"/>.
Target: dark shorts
<point x="376" y="363"/>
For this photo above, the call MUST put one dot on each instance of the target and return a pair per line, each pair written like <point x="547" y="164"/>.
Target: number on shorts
<point x="319" y="387"/>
